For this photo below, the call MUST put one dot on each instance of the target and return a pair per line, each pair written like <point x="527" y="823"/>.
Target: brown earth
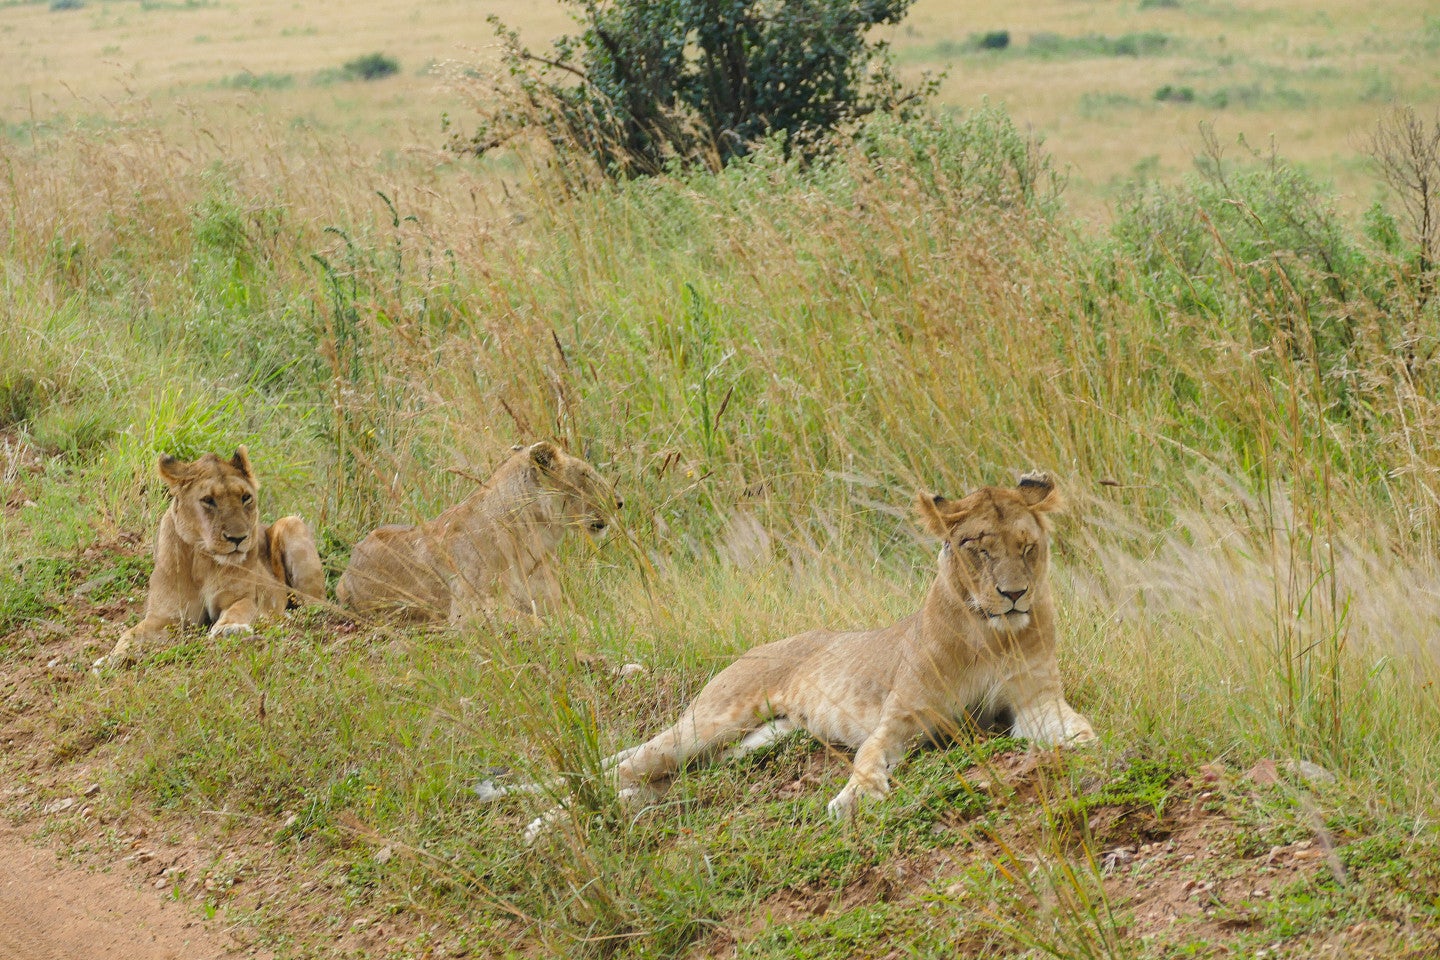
<point x="50" y="910"/>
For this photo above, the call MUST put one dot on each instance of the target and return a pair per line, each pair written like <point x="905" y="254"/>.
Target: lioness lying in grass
<point x="983" y="642"/>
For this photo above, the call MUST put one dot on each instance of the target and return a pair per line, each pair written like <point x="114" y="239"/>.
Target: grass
<point x="1232" y="380"/>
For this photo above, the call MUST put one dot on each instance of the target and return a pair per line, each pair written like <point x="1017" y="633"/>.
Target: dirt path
<point x="52" y="911"/>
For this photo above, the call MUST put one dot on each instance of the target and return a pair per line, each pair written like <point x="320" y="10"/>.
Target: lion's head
<point x="214" y="504"/>
<point x="995" y="552"/>
<point x="579" y="495"/>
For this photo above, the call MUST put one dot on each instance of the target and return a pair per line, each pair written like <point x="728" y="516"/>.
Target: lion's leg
<point x="172" y="598"/>
<point x="294" y="545"/>
<point x="702" y="730"/>
<point x="768" y="735"/>
<point x="127" y="648"/>
<point x="877" y="756"/>
<point x="1042" y="715"/>
<point x="237" y="618"/>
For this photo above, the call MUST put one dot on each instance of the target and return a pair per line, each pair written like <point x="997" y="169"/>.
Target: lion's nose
<point x="237" y="540"/>
<point x="1013" y="595"/>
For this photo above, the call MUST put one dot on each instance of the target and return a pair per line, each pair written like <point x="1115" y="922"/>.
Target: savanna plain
<point x="1142" y="245"/>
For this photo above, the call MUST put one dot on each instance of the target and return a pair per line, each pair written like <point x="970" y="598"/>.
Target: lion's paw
<point x="232" y="630"/>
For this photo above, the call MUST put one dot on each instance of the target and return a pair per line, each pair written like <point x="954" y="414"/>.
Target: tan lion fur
<point x="214" y="561"/>
<point x="982" y="644"/>
<point x="498" y="539"/>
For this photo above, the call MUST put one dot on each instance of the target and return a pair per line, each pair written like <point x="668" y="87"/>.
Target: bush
<point x="993" y="40"/>
<point x="697" y="82"/>
<point x="1260" y="240"/>
<point x="1053" y="45"/>
<point x="1173" y="94"/>
<point x="371" y="66"/>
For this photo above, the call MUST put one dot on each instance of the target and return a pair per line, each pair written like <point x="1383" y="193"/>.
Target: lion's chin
<point x="1012" y="622"/>
<point x="234" y="559"/>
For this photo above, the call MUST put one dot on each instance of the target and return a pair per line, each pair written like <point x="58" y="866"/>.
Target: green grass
<point x="1232" y="383"/>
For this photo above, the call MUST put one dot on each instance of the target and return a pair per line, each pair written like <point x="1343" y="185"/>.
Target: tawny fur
<point x="982" y="644"/>
<point x="215" y="562"/>
<point x="496" y="541"/>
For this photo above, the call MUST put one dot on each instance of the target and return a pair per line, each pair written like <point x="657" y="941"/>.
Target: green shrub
<point x="371" y="66"/>
<point x="1260" y="240"/>
<point x="993" y="40"/>
<point x="1173" y="94"/>
<point x="698" y="83"/>
<point x="1054" y="46"/>
<point x="258" y="81"/>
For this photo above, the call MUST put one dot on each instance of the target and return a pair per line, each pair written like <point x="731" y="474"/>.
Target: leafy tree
<point x="648" y="83"/>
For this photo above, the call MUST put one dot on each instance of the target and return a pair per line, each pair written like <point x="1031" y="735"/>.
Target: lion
<point x="498" y="539"/>
<point x="215" y="562"/>
<point x="982" y="645"/>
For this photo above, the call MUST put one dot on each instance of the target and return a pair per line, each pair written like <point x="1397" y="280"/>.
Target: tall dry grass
<point x="769" y="362"/>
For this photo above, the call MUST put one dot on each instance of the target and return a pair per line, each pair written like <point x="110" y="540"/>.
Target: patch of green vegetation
<point x="1054" y="46"/>
<point x="149" y="5"/>
<point x="370" y="66"/>
<point x="1101" y="104"/>
<point x="1171" y="93"/>
<point x="257" y="81"/>
<point x="35" y="589"/>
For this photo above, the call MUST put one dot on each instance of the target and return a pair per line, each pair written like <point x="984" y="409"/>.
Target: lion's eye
<point x="973" y="545"/>
<point x="1029" y="551"/>
<point x="209" y="502"/>
<point x="247" y="499"/>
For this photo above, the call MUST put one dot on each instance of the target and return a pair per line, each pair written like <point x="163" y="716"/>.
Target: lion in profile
<point x="982" y="645"/>
<point x="214" y="561"/>
<point x="498" y="539"/>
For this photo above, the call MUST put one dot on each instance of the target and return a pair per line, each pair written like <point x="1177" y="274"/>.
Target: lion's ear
<point x="935" y="513"/>
<point x="544" y="454"/>
<point x="1038" y="491"/>
<point x="241" y="462"/>
<point x="174" y="471"/>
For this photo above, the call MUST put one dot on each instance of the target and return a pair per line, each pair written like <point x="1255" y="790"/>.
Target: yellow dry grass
<point x="1315" y="76"/>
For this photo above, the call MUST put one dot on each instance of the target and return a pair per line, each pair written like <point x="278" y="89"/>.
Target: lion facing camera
<point x="982" y="644"/>
<point x="215" y="562"/>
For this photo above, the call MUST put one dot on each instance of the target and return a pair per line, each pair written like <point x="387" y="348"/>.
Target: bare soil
<point x="50" y="910"/>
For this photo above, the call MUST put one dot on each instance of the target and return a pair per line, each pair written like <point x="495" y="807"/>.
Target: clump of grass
<point x="258" y="81"/>
<point x="1055" y="46"/>
<point x="371" y="66"/>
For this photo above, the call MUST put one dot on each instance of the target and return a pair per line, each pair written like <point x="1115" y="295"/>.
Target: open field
<point x="1233" y="377"/>
<point x="1084" y="75"/>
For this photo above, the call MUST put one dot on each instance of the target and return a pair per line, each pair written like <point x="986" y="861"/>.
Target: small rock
<point x="58" y="806"/>
<point x="1309" y="772"/>
<point x="1263" y="774"/>
<point x="1211" y="772"/>
<point x="630" y="670"/>
<point x="383" y="855"/>
<point x="93" y="789"/>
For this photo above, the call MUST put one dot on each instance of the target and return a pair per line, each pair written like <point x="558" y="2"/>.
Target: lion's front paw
<point x="847" y="801"/>
<point x="844" y="805"/>
<point x="232" y="630"/>
<point x="112" y="661"/>
<point x="121" y="655"/>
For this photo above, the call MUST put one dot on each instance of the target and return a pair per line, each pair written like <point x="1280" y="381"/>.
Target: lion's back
<point x="390" y="569"/>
